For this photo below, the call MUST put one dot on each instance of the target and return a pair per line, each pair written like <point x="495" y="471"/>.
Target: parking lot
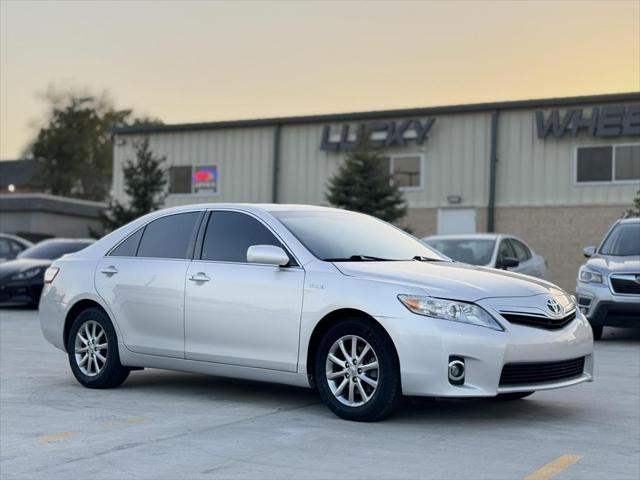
<point x="174" y="425"/>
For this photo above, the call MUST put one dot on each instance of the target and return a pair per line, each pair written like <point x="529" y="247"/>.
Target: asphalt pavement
<point x="168" y="425"/>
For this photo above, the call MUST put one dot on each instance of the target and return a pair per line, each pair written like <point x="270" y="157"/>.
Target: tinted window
<point x="522" y="252"/>
<point x="340" y="235"/>
<point x="5" y="248"/>
<point x="624" y="240"/>
<point x="473" y="252"/>
<point x="506" y="250"/>
<point x="129" y="247"/>
<point x="169" y="237"/>
<point x="230" y="234"/>
<point x="52" y="249"/>
<point x="595" y="164"/>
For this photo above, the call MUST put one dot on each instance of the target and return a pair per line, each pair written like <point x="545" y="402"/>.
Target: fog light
<point x="456" y="371"/>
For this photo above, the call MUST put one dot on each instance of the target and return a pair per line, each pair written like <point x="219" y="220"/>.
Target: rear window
<point x="473" y="252"/>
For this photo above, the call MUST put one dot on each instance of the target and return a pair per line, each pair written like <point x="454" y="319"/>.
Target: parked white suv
<point x="608" y="286"/>
<point x="308" y="296"/>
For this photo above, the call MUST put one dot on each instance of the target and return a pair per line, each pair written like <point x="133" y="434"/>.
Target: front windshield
<point x="624" y="241"/>
<point x="52" y="250"/>
<point x="465" y="250"/>
<point x="344" y="236"/>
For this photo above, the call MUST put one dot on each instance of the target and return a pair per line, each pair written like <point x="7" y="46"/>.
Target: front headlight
<point x="589" y="276"/>
<point x="27" y="274"/>
<point x="449" y="310"/>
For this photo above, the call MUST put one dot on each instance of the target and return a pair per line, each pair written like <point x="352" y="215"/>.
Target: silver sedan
<point x="308" y="296"/>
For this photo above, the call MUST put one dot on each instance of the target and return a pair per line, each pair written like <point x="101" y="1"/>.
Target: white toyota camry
<point x="308" y="296"/>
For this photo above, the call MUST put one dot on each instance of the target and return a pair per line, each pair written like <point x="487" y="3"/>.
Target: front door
<point x="142" y="281"/>
<point x="240" y="313"/>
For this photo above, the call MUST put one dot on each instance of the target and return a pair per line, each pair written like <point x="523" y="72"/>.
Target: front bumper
<point x="602" y="307"/>
<point x="20" y="292"/>
<point x="425" y="346"/>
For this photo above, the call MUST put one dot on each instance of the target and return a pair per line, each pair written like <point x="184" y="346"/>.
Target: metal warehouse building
<point x="556" y="172"/>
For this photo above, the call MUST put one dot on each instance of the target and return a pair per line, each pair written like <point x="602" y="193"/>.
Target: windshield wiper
<point x="421" y="258"/>
<point x="357" y="258"/>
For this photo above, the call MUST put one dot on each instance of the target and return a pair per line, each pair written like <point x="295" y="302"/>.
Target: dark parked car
<point x="11" y="246"/>
<point x="21" y="280"/>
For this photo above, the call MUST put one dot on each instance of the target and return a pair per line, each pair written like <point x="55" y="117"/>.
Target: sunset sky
<point x="203" y="61"/>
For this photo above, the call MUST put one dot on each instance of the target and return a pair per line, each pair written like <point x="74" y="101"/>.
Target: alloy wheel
<point x="352" y="370"/>
<point x="91" y="348"/>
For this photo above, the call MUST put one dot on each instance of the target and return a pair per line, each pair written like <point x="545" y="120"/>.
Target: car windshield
<point x="50" y="250"/>
<point x="624" y="240"/>
<point x="347" y="236"/>
<point x="466" y="250"/>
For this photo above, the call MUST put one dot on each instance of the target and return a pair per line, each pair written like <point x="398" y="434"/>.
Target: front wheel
<point x="92" y="348"/>
<point x="357" y="371"/>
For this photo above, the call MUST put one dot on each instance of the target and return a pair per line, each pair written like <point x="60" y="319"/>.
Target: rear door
<point x="142" y="281"/>
<point x="241" y="313"/>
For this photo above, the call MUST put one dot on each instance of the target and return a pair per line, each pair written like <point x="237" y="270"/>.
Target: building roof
<point x="407" y="112"/>
<point x="16" y="172"/>
<point x="41" y="202"/>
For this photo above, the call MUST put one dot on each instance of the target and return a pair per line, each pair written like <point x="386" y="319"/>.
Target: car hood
<point x="611" y="263"/>
<point x="451" y="279"/>
<point x="21" y="264"/>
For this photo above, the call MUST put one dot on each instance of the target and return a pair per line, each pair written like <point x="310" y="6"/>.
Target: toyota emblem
<point x="554" y="307"/>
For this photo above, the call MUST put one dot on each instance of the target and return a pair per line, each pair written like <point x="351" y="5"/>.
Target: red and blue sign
<point x="205" y="179"/>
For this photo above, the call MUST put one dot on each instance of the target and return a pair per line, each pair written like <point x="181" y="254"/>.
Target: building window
<point x="405" y="170"/>
<point x="194" y="179"/>
<point x="180" y="179"/>
<point x="608" y="164"/>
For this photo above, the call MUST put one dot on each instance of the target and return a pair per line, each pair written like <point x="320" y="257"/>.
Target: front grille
<point x="539" y="321"/>
<point x="542" y="372"/>
<point x="625" y="286"/>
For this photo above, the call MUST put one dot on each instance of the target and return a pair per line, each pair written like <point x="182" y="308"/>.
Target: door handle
<point x="110" y="270"/>
<point x="199" y="277"/>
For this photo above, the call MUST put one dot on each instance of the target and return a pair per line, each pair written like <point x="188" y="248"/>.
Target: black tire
<point x="112" y="373"/>
<point x="597" y="331"/>
<point x="388" y="392"/>
<point x="513" y="396"/>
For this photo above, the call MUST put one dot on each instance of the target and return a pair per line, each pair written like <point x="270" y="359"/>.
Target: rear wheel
<point x="513" y="396"/>
<point x="92" y="348"/>
<point x="597" y="331"/>
<point x="357" y="371"/>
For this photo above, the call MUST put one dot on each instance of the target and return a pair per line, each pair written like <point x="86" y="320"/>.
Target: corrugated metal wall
<point x="455" y="162"/>
<point x="244" y="158"/>
<point x="533" y="171"/>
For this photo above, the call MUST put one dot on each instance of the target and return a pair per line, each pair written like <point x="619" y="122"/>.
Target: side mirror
<point x="268" y="255"/>
<point x="508" y="262"/>
<point x="589" y="251"/>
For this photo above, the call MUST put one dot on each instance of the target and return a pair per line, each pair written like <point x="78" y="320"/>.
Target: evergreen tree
<point x="635" y="210"/>
<point x="363" y="184"/>
<point x="145" y="186"/>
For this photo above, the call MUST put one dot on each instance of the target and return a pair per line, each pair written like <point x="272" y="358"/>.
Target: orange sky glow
<point x="204" y="60"/>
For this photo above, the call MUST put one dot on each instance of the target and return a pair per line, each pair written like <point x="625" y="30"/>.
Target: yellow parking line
<point x="56" y="438"/>
<point x="125" y="422"/>
<point x="552" y="469"/>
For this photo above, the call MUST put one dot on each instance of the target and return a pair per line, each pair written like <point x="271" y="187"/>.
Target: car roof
<point x="18" y="239"/>
<point x="251" y="207"/>
<point x="67" y="240"/>
<point x="466" y="236"/>
<point x="625" y="221"/>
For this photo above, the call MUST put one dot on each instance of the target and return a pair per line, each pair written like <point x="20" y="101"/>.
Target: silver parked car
<point x="608" y="286"/>
<point x="490" y="250"/>
<point x="308" y="296"/>
<point x="11" y="246"/>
